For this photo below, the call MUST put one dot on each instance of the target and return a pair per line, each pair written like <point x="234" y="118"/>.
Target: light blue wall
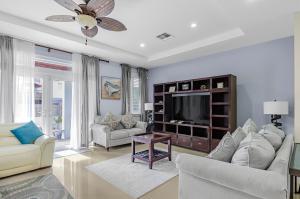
<point x="110" y="69"/>
<point x="264" y="72"/>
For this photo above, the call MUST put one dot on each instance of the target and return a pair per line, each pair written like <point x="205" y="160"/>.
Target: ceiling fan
<point x="89" y="15"/>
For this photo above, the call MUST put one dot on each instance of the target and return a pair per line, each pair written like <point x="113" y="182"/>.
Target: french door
<point x="53" y="101"/>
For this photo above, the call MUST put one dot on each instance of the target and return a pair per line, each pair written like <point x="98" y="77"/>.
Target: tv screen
<point x="191" y="108"/>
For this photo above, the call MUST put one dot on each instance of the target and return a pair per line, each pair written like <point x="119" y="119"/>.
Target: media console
<point x="222" y="111"/>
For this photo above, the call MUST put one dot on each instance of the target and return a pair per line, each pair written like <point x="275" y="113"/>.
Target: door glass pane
<point x="38" y="102"/>
<point x="61" y="112"/>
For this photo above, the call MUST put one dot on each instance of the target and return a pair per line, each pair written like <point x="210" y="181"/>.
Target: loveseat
<point x="104" y="136"/>
<point x="17" y="158"/>
<point x="201" y="177"/>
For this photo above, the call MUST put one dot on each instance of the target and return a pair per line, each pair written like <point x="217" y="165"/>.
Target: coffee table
<point x="151" y="155"/>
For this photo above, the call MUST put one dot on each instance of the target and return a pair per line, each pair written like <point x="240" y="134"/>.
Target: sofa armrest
<point x="141" y="125"/>
<point x="47" y="145"/>
<point x="255" y="182"/>
<point x="99" y="128"/>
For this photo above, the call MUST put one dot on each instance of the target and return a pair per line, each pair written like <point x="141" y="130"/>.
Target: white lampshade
<point x="148" y="106"/>
<point x="276" y="108"/>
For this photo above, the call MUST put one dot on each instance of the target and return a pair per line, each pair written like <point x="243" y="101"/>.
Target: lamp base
<point x="274" y="120"/>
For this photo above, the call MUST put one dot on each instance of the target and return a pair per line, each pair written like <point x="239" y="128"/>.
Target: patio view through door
<point x="53" y="101"/>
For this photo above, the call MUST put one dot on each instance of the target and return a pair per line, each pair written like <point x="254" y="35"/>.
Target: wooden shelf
<point x="201" y="90"/>
<point x="220" y="128"/>
<point x="224" y="116"/>
<point x="196" y="136"/>
<point x="219" y="90"/>
<point x="159" y="94"/>
<point x="220" y="103"/>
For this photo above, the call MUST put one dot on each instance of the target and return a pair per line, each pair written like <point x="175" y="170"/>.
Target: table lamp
<point x="276" y="109"/>
<point x="148" y="109"/>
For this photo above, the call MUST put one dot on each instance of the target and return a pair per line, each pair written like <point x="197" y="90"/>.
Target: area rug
<point x="42" y="187"/>
<point x="135" y="179"/>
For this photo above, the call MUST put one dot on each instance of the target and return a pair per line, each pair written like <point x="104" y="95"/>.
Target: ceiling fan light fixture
<point x="86" y="21"/>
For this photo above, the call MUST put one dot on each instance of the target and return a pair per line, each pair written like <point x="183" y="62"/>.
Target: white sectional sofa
<point x="103" y="136"/>
<point x="18" y="158"/>
<point x="200" y="177"/>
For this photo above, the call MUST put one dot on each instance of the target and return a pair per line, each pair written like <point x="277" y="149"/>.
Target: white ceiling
<point x="222" y="25"/>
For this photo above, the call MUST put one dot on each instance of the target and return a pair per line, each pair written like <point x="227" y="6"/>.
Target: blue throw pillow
<point x="27" y="133"/>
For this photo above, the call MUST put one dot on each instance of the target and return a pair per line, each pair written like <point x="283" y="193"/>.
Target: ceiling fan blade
<point x="69" y="4"/>
<point x="101" y="7"/>
<point x="110" y="24"/>
<point x="90" y="32"/>
<point x="61" y="18"/>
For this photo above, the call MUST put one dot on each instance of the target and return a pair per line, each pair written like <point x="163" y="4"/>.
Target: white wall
<point x="110" y="69"/>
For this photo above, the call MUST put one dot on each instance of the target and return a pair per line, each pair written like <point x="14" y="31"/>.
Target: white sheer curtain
<point x="24" y="54"/>
<point x="76" y="120"/>
<point x="89" y="108"/>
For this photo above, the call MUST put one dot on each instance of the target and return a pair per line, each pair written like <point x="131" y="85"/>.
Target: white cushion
<point x="274" y="129"/>
<point x="224" y="150"/>
<point x="128" y="121"/>
<point x="119" y="134"/>
<point x="19" y="155"/>
<point x="134" y="131"/>
<point x="254" y="151"/>
<point x="110" y="120"/>
<point x="272" y="137"/>
<point x="238" y="135"/>
<point x="249" y="126"/>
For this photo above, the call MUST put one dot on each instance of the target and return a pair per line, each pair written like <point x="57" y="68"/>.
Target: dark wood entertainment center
<point x="192" y="135"/>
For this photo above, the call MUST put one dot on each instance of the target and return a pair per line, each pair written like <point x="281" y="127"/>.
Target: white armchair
<point x="18" y="158"/>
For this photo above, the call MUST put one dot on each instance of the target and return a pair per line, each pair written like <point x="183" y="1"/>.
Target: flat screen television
<point x="192" y="108"/>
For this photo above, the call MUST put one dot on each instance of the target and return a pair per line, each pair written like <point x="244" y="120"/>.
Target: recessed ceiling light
<point x="142" y="45"/>
<point x="193" y="25"/>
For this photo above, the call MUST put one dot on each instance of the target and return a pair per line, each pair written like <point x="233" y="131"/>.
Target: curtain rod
<point x="49" y="48"/>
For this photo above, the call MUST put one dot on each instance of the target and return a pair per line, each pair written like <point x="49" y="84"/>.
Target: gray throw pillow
<point x="254" y="151"/>
<point x="110" y="120"/>
<point x="238" y="135"/>
<point x="274" y="129"/>
<point x="249" y="126"/>
<point x="272" y="137"/>
<point x="225" y="150"/>
<point x="128" y="121"/>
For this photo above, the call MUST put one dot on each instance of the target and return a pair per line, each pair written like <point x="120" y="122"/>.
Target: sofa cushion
<point x="119" y="134"/>
<point x="249" y="126"/>
<point x="238" y="135"/>
<point x="134" y="131"/>
<point x="27" y="133"/>
<point x="274" y="129"/>
<point x="128" y="121"/>
<point x="225" y="150"/>
<point x="254" y="151"/>
<point x="19" y="156"/>
<point x="272" y="137"/>
<point x="7" y="141"/>
<point x="110" y="120"/>
<point x="281" y="162"/>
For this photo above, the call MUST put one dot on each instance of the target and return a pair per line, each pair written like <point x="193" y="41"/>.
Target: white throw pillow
<point x="274" y="129"/>
<point x="272" y="137"/>
<point x="110" y="120"/>
<point x="238" y="135"/>
<point x="225" y="149"/>
<point x="254" y="151"/>
<point x="249" y="126"/>
<point x="128" y="121"/>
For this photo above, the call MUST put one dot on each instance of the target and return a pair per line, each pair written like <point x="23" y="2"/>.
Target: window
<point x="135" y="98"/>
